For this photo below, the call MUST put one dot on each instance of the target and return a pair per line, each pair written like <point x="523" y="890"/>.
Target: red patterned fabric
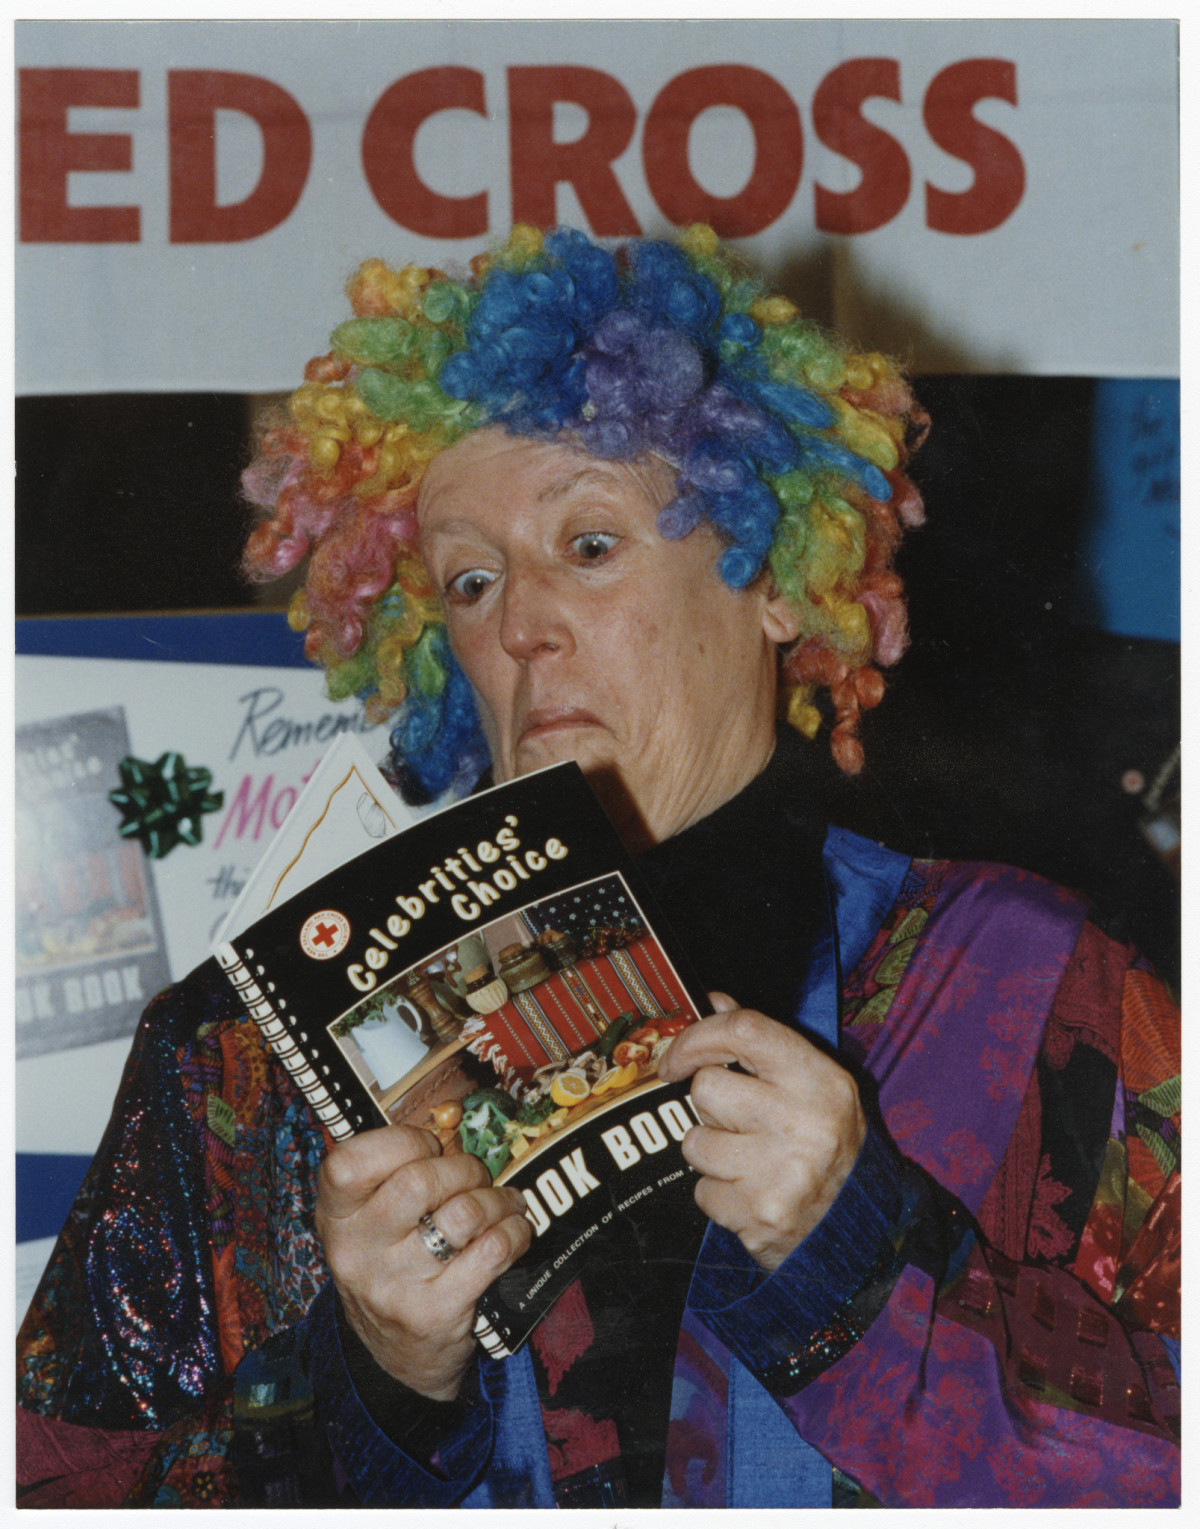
<point x="60" y="1465"/>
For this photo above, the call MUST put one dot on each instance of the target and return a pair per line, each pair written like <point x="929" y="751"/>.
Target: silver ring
<point x="436" y="1240"/>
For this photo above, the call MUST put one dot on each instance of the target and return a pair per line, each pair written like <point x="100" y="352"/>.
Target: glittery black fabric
<point x="122" y="1334"/>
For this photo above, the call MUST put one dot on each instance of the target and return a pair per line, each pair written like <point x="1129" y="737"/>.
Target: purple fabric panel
<point x="917" y="1413"/>
<point x="964" y="1028"/>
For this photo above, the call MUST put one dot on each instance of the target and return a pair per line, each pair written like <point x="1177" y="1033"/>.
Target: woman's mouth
<point x="545" y="721"/>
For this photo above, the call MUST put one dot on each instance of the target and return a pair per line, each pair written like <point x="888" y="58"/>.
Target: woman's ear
<point x="781" y="624"/>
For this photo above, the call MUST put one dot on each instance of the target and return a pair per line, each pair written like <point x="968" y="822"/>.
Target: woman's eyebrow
<point x="458" y="525"/>
<point x="586" y="476"/>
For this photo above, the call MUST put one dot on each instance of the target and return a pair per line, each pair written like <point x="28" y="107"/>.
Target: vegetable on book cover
<point x="495" y="975"/>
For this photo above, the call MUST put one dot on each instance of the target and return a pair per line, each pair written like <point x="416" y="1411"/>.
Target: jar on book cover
<point x="522" y="967"/>
<point x="558" y="948"/>
<point x="485" y="993"/>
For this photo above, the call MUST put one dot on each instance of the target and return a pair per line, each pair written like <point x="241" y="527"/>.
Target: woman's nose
<point x="533" y="620"/>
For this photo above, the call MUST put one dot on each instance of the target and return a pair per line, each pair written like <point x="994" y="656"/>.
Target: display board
<point x="104" y="920"/>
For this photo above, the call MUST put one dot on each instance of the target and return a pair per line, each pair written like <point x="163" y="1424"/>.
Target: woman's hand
<point x="780" y="1137"/>
<point x="414" y="1314"/>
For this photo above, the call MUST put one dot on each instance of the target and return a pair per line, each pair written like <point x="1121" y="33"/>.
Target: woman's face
<point x="587" y="636"/>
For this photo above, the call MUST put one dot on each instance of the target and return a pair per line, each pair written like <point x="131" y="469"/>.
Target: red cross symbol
<point x="323" y="934"/>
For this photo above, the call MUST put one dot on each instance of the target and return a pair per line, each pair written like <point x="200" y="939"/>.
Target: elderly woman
<point x="629" y="509"/>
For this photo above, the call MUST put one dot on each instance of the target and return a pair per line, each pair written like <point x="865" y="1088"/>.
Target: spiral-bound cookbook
<point x="494" y="974"/>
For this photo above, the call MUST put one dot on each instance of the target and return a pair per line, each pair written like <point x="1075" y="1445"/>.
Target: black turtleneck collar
<point x="743" y="887"/>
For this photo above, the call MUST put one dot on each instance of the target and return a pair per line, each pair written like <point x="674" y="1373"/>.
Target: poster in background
<point x="89" y="942"/>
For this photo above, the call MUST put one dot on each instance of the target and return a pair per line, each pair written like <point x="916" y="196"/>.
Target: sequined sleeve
<point x="121" y="1332"/>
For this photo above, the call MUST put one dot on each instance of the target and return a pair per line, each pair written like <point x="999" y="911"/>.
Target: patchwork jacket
<point x="987" y="1316"/>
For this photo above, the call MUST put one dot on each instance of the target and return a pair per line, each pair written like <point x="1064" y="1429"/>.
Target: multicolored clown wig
<point x="789" y="444"/>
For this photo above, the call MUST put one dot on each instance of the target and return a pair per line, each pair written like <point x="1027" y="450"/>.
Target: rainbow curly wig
<point x="789" y="444"/>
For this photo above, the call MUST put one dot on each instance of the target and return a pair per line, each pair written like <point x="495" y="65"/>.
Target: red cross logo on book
<point x="324" y="934"/>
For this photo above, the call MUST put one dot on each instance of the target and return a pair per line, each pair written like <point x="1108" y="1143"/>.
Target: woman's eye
<point x="469" y="585"/>
<point x="594" y="544"/>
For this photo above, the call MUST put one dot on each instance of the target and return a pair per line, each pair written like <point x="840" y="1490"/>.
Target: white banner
<point x="989" y="196"/>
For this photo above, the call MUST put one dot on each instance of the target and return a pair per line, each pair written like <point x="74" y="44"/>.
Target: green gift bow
<point x="162" y="803"/>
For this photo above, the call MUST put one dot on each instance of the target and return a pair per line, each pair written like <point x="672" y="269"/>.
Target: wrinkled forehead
<point x="490" y="463"/>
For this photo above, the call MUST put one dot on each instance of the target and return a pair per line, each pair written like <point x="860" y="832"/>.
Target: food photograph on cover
<point x="598" y="786"/>
<point x="522" y="1027"/>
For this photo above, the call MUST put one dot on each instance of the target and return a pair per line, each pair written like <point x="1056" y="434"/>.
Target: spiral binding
<point x="489" y="1339"/>
<point x="263" y="1012"/>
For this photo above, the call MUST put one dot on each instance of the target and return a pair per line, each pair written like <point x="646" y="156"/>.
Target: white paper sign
<point x="346" y="807"/>
<point x="975" y="196"/>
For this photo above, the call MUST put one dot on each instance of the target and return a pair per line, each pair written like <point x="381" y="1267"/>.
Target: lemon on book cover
<point x="615" y="1079"/>
<point x="570" y="1087"/>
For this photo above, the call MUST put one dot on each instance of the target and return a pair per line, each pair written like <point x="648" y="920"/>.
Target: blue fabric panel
<point x="770" y="1465"/>
<point x="519" y="1473"/>
<point x="1129" y="576"/>
<point x="817" y="1009"/>
<point x="47" y="1183"/>
<point x="866" y="880"/>
<point x="379" y="1472"/>
<point x="253" y="637"/>
<point x="863" y="881"/>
